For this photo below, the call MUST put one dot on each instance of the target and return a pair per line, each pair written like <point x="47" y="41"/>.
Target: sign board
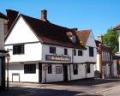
<point x="57" y="58"/>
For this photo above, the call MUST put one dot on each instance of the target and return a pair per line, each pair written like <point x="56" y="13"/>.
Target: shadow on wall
<point x="18" y="91"/>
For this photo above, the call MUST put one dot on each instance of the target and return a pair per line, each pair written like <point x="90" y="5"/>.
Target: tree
<point x="110" y="39"/>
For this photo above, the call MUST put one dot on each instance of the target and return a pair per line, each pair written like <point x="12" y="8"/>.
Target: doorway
<point x="65" y="72"/>
<point x="40" y="72"/>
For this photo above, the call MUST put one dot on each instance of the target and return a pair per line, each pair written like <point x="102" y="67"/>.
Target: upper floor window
<point x="65" y="52"/>
<point x="80" y="52"/>
<point x="74" y="52"/>
<point x="53" y="50"/>
<point x="91" y="51"/>
<point x="18" y="49"/>
<point x="30" y="68"/>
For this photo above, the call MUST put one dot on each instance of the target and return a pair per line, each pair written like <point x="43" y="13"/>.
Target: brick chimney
<point x="11" y="15"/>
<point x="44" y="15"/>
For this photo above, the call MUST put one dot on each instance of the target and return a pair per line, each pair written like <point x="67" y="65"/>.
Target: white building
<point x="44" y="52"/>
<point x="3" y="21"/>
<point x="117" y="55"/>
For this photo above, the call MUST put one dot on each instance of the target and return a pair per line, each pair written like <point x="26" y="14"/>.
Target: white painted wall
<point x="59" y="51"/>
<point x="19" y="68"/>
<point x="119" y="39"/>
<point x="53" y="77"/>
<point x="82" y="72"/>
<point x="98" y="62"/>
<point x="33" y="52"/>
<point x="86" y="57"/>
<point x="21" y="33"/>
<point x="91" y="74"/>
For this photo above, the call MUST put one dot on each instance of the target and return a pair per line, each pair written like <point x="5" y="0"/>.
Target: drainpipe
<point x="72" y="59"/>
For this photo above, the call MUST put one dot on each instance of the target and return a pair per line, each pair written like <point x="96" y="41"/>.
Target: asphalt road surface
<point x="86" y="87"/>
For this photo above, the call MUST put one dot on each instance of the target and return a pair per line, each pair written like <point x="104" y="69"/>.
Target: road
<point x="86" y="87"/>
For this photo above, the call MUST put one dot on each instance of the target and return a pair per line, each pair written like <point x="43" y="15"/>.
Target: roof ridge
<point x="46" y="22"/>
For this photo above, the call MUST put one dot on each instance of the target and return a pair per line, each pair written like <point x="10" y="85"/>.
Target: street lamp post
<point x="7" y="68"/>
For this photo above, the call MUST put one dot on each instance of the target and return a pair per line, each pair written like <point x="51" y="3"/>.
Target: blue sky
<point x="98" y="15"/>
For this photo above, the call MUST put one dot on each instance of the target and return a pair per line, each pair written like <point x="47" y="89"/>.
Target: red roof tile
<point x="49" y="33"/>
<point x="83" y="35"/>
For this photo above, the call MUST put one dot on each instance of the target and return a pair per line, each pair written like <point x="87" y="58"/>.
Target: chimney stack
<point x="44" y="15"/>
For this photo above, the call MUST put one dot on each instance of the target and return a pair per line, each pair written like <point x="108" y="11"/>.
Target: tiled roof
<point x="49" y="33"/>
<point x="2" y="16"/>
<point x="83" y="35"/>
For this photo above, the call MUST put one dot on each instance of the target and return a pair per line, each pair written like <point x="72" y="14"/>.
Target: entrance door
<point x="65" y="70"/>
<point x="40" y="72"/>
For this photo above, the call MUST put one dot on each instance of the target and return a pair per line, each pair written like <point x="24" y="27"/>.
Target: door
<point x="2" y="72"/>
<point x="65" y="72"/>
<point x="40" y="72"/>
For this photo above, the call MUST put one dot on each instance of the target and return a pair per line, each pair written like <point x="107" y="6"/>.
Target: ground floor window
<point x="88" y="68"/>
<point x="30" y="68"/>
<point x="49" y="69"/>
<point x="75" y="69"/>
<point x="58" y="69"/>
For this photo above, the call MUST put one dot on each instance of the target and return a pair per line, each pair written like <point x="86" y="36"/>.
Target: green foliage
<point x="110" y="39"/>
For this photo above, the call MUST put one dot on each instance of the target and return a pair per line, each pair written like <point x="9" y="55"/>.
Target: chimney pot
<point x="44" y="15"/>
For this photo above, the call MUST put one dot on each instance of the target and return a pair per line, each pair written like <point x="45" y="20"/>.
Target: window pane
<point x="53" y="50"/>
<point x="91" y="51"/>
<point x="58" y="69"/>
<point x="30" y="68"/>
<point x="18" y="49"/>
<point x="80" y="52"/>
<point x="65" y="52"/>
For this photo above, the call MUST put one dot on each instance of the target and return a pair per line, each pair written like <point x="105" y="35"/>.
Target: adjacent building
<point x="117" y="55"/>
<point x="104" y="63"/>
<point x="41" y="51"/>
<point x="3" y="21"/>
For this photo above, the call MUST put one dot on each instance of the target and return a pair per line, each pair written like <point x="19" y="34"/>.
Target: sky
<point x="96" y="15"/>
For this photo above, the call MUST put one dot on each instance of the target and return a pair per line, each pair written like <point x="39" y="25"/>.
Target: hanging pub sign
<point x="57" y="58"/>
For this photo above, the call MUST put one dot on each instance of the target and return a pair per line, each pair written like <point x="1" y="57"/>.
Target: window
<point x="91" y="51"/>
<point x="58" y="69"/>
<point x="74" y="52"/>
<point x="49" y="68"/>
<point x="65" y="51"/>
<point x="80" y="52"/>
<point x="30" y="68"/>
<point x="75" y="69"/>
<point x="18" y="49"/>
<point x="53" y="50"/>
<point x="88" y="68"/>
